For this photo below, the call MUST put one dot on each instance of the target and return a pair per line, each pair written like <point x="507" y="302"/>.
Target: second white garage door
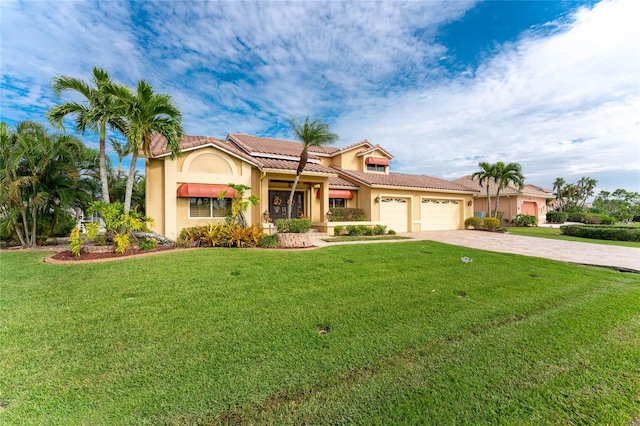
<point x="394" y="213"/>
<point x="440" y="214"/>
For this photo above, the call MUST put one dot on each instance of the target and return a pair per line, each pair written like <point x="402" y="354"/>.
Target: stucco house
<point x="183" y="192"/>
<point x="531" y="199"/>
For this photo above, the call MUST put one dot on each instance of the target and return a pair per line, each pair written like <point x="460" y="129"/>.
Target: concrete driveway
<point x="624" y="258"/>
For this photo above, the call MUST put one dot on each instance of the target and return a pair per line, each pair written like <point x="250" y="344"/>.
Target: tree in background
<point x="573" y="197"/>
<point x="143" y="114"/>
<point x="621" y="204"/>
<point x="310" y="133"/>
<point x="504" y="175"/>
<point x="40" y="176"/>
<point x="96" y="113"/>
<point x="485" y="174"/>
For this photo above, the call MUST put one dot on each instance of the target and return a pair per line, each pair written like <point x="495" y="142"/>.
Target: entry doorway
<point x="278" y="204"/>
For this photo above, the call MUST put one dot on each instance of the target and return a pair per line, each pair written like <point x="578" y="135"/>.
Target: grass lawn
<point x="401" y="333"/>
<point x="554" y="233"/>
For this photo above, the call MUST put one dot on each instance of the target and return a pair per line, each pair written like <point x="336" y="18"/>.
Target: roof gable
<point x="276" y="148"/>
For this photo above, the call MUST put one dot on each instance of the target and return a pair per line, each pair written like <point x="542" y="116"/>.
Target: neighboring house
<point x="531" y="199"/>
<point x="184" y="192"/>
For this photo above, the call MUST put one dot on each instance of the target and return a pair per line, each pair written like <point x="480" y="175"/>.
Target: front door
<point x="278" y="204"/>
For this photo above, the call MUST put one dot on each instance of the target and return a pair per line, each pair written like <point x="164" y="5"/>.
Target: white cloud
<point x="526" y="104"/>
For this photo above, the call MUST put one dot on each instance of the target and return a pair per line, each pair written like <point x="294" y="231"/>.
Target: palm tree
<point x="506" y="174"/>
<point x="558" y="188"/>
<point x="486" y="173"/>
<point x="145" y="113"/>
<point x="122" y="150"/>
<point x="310" y="133"/>
<point x="40" y="175"/>
<point x="586" y="186"/>
<point x="95" y="113"/>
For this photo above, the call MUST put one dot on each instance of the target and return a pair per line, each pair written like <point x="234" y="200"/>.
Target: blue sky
<point x="552" y="85"/>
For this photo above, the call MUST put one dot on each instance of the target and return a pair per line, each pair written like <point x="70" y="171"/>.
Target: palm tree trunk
<point x="25" y="225"/>
<point x="495" y="212"/>
<point x="128" y="192"/>
<point x="488" y="201"/>
<point x="34" y="214"/>
<point x="293" y="190"/>
<point x="19" y="234"/>
<point x="104" y="177"/>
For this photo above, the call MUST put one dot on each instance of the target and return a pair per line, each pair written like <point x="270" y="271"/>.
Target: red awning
<point x="205" y="190"/>
<point x="377" y="160"/>
<point x="338" y="193"/>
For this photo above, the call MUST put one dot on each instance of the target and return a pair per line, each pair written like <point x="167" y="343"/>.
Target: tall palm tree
<point x="504" y="175"/>
<point x="310" y="133"/>
<point x="145" y="113"/>
<point x="485" y="174"/>
<point x="558" y="188"/>
<point x="95" y="113"/>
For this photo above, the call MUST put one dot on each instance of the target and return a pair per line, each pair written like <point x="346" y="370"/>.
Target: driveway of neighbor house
<point x="624" y="258"/>
<point x="568" y="251"/>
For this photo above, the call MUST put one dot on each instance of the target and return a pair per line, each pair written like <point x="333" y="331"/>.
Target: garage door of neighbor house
<point x="394" y="213"/>
<point x="440" y="215"/>
<point x="529" y="207"/>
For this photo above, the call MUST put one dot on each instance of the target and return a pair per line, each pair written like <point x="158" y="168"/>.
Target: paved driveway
<point x="624" y="258"/>
<point x="568" y="251"/>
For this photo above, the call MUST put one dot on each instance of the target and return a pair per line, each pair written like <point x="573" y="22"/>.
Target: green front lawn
<point x="401" y="333"/>
<point x="554" y="233"/>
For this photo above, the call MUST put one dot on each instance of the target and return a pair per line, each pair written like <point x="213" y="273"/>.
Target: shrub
<point x="354" y="230"/>
<point x="338" y="230"/>
<point x="608" y="220"/>
<point x="473" y="221"/>
<point x="379" y="229"/>
<point x="347" y="214"/>
<point x="294" y="226"/>
<point x="557" y="217"/>
<point x="601" y="232"/>
<point x="220" y="235"/>
<point x="147" y="243"/>
<point x="366" y="230"/>
<point x="491" y="223"/>
<point x="525" y="220"/>
<point x="122" y="242"/>
<point x="391" y="232"/>
<point x="268" y="241"/>
<point x="575" y="217"/>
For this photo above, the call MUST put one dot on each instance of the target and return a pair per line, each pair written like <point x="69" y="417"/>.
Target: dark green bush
<point x="602" y="232"/>
<point x="525" y="220"/>
<point x="347" y="214"/>
<point x="391" y="232"/>
<point x="147" y="243"/>
<point x="474" y="222"/>
<point x="608" y="220"/>
<point x="268" y="241"/>
<point x="557" y="217"/>
<point x="338" y="230"/>
<point x="293" y="226"/>
<point x="354" y="230"/>
<point x="575" y="217"/>
<point x="379" y="229"/>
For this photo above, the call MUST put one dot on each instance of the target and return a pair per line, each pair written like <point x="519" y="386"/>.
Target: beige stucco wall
<point x="511" y="205"/>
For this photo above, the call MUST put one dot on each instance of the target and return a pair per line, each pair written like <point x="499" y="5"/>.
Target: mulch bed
<point x="67" y="256"/>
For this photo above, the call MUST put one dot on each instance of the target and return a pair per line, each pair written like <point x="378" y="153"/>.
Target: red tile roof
<point x="269" y="146"/>
<point x="402" y="180"/>
<point x="532" y="190"/>
<point x="338" y="182"/>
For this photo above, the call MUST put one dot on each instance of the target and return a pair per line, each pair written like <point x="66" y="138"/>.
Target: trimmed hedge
<point x="523" y="220"/>
<point x="347" y="214"/>
<point x="557" y="217"/>
<point x="293" y="226"/>
<point x="474" y="222"/>
<point x="597" y="232"/>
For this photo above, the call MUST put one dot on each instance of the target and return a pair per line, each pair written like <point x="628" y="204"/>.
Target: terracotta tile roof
<point x="272" y="163"/>
<point x="364" y="143"/>
<point x="338" y="182"/>
<point x="269" y="146"/>
<point x="402" y="180"/>
<point x="532" y="190"/>
<point x="376" y="148"/>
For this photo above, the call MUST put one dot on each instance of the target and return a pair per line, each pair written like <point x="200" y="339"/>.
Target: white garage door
<point x="440" y="215"/>
<point x="394" y="213"/>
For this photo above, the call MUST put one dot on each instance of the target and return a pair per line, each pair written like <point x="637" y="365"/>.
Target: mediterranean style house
<point x="531" y="199"/>
<point x="183" y="192"/>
